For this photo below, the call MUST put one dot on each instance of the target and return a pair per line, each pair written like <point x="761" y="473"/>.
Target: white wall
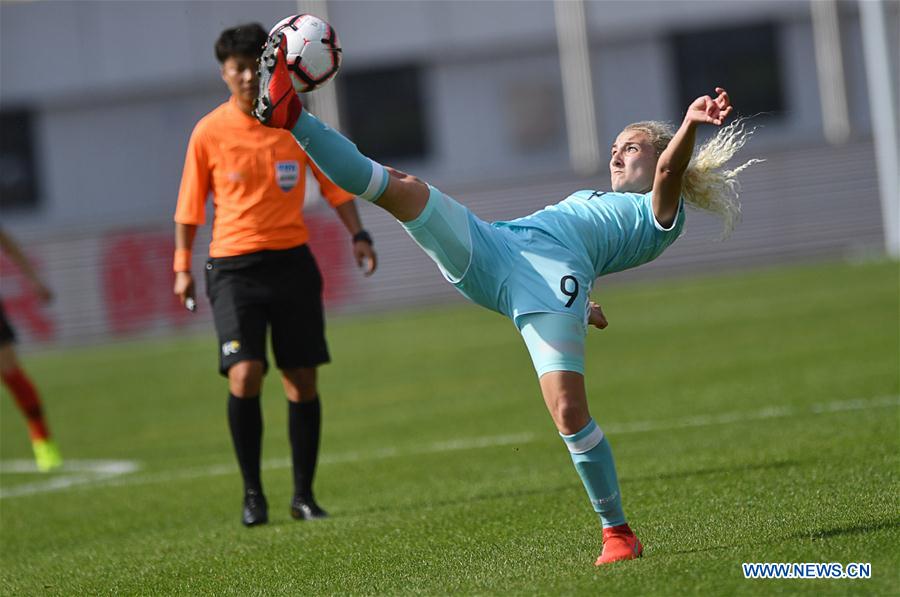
<point x="53" y="50"/>
<point x="130" y="79"/>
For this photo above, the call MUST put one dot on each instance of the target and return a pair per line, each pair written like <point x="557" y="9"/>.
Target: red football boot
<point x="619" y="543"/>
<point x="277" y="104"/>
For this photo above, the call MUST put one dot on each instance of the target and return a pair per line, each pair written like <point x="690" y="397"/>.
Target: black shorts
<point x="7" y="334"/>
<point x="281" y="289"/>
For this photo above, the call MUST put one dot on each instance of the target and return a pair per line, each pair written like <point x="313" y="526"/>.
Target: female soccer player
<point x="538" y="270"/>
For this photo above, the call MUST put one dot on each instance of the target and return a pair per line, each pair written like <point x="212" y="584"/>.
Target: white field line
<point x="111" y="476"/>
<point x="100" y="467"/>
<point x="772" y="412"/>
<point x="72" y="473"/>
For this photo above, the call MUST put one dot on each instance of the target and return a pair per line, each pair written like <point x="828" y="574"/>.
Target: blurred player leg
<point x="46" y="454"/>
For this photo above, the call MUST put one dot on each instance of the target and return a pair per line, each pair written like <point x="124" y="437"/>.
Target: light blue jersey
<point x="612" y="231"/>
<point x="546" y="262"/>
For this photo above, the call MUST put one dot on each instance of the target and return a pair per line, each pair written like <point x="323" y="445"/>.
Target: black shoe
<point x="306" y="509"/>
<point x="256" y="510"/>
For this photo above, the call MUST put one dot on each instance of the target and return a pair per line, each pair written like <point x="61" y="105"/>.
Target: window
<point x="744" y="60"/>
<point x="524" y="99"/>
<point x="18" y="180"/>
<point x="383" y="112"/>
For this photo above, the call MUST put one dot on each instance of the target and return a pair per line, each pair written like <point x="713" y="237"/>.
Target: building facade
<point x="98" y="99"/>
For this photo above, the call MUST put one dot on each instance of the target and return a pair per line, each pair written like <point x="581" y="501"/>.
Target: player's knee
<point x="308" y="390"/>
<point x="568" y="418"/>
<point x="402" y="178"/>
<point x="569" y="414"/>
<point x="406" y="187"/>
<point x="304" y="392"/>
<point x="300" y="384"/>
<point x="405" y="196"/>
<point x="245" y="378"/>
<point x="566" y="400"/>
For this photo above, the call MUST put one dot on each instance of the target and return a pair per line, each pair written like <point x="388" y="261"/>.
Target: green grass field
<point x="754" y="418"/>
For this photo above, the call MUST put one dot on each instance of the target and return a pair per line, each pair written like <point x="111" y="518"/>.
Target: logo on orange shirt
<point x="287" y="174"/>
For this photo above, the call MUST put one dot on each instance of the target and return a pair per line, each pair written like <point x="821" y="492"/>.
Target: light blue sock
<point x="594" y="462"/>
<point x="339" y="159"/>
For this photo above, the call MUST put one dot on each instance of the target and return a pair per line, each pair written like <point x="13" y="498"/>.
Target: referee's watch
<point x="364" y="236"/>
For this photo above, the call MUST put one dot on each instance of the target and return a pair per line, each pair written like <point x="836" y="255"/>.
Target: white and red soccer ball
<point x="313" y="50"/>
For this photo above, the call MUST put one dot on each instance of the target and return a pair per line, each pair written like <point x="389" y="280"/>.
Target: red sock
<point x="29" y="402"/>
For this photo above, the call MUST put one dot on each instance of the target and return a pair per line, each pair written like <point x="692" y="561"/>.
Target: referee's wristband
<point x="182" y="261"/>
<point x="364" y="236"/>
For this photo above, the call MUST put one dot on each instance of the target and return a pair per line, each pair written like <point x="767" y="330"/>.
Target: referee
<point x="261" y="273"/>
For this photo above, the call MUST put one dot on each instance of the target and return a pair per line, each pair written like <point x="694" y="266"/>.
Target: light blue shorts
<point x="515" y="271"/>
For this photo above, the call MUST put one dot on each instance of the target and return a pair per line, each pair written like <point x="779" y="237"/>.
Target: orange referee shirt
<point x="257" y="176"/>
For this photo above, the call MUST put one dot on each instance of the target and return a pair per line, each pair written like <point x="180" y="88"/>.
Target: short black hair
<point x="243" y="40"/>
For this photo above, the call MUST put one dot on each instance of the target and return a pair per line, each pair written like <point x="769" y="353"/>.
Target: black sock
<point x="245" y="421"/>
<point x="304" y="423"/>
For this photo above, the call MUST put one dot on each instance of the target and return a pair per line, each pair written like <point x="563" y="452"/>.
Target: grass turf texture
<point x="420" y="507"/>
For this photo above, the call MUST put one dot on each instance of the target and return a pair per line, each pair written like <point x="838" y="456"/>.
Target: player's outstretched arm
<point x="673" y="162"/>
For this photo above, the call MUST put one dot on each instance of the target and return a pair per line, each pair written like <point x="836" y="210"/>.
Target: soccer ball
<point x="313" y="51"/>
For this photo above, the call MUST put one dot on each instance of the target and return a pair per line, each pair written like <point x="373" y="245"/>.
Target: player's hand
<point x="708" y="110"/>
<point x="365" y="256"/>
<point x="184" y="289"/>
<point x="596" y="317"/>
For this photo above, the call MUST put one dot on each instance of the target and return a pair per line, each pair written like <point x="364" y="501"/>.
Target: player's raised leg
<point x="279" y="106"/>
<point x="435" y="221"/>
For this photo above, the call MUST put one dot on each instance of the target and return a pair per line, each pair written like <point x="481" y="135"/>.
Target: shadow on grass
<point x="450" y="502"/>
<point x="573" y="486"/>
<point x="715" y="470"/>
<point x="811" y="534"/>
<point x="855" y="529"/>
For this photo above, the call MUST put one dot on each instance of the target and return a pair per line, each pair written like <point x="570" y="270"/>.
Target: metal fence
<point x="801" y="204"/>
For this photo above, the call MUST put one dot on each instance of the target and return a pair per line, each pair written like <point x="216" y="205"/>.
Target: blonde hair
<point x="706" y="185"/>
